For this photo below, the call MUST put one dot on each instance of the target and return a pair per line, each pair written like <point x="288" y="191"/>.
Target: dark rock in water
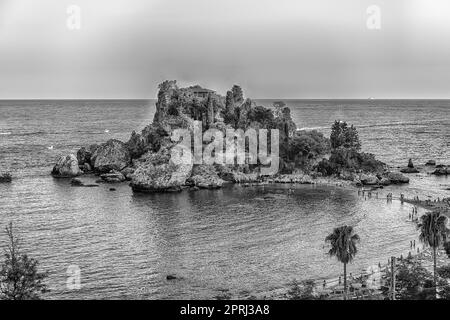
<point x="171" y="277"/>
<point x="112" y="189"/>
<point x="66" y="167"/>
<point x="76" y="182"/>
<point x="440" y="166"/>
<point x="409" y="170"/>
<point x="441" y="171"/>
<point x="112" y="155"/>
<point x="397" y="178"/>
<point x="5" y="177"/>
<point x="112" y="177"/>
<point x="430" y="163"/>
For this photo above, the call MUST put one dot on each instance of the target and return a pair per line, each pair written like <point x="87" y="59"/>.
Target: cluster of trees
<point x="344" y="136"/>
<point x="307" y="145"/>
<point x="19" y="276"/>
<point x="345" y="153"/>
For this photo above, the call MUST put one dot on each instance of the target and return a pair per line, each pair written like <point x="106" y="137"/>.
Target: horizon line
<point x="146" y="99"/>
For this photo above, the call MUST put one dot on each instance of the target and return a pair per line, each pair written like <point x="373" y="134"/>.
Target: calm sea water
<point x="241" y="241"/>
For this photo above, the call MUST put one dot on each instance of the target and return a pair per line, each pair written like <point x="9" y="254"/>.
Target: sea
<point x="233" y="242"/>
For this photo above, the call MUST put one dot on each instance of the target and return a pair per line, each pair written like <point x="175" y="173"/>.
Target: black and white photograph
<point x="225" y="150"/>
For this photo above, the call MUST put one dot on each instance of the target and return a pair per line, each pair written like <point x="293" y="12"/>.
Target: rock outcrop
<point x="112" y="155"/>
<point x="66" y="167"/>
<point x="441" y="171"/>
<point x="430" y="163"/>
<point x="157" y="172"/>
<point x="205" y="177"/>
<point x="5" y="177"/>
<point x="409" y="168"/>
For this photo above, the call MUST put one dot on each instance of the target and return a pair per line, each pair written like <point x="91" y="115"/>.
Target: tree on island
<point x="238" y="94"/>
<point x="344" y="136"/>
<point x="343" y="242"/>
<point x="433" y="232"/>
<point x="19" y="277"/>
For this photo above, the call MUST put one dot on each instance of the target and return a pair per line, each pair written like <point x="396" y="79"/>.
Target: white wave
<point x="5" y="133"/>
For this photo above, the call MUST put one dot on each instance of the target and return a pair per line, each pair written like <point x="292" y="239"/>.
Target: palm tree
<point x="433" y="232"/>
<point x="343" y="246"/>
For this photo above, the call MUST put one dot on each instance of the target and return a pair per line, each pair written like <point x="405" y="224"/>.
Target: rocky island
<point x="304" y="156"/>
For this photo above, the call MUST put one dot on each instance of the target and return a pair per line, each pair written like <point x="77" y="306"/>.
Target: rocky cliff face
<point x="112" y="155"/>
<point x="156" y="172"/>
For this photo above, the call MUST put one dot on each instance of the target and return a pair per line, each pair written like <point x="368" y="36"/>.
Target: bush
<point x="19" y="277"/>
<point x="302" y="291"/>
<point x="443" y="272"/>
<point x="352" y="160"/>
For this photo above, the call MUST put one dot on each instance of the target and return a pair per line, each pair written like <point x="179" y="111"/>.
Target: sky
<point x="319" y="49"/>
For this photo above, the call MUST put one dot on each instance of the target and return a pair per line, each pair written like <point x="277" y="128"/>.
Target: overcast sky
<point x="272" y="48"/>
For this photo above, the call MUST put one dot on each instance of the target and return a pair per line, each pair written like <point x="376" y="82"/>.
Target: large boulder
<point x="409" y="170"/>
<point x="430" y="163"/>
<point x="112" y="155"/>
<point x="66" y="167"/>
<point x="205" y="177"/>
<point x="157" y="172"/>
<point x="441" y="171"/>
<point x="397" y="178"/>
